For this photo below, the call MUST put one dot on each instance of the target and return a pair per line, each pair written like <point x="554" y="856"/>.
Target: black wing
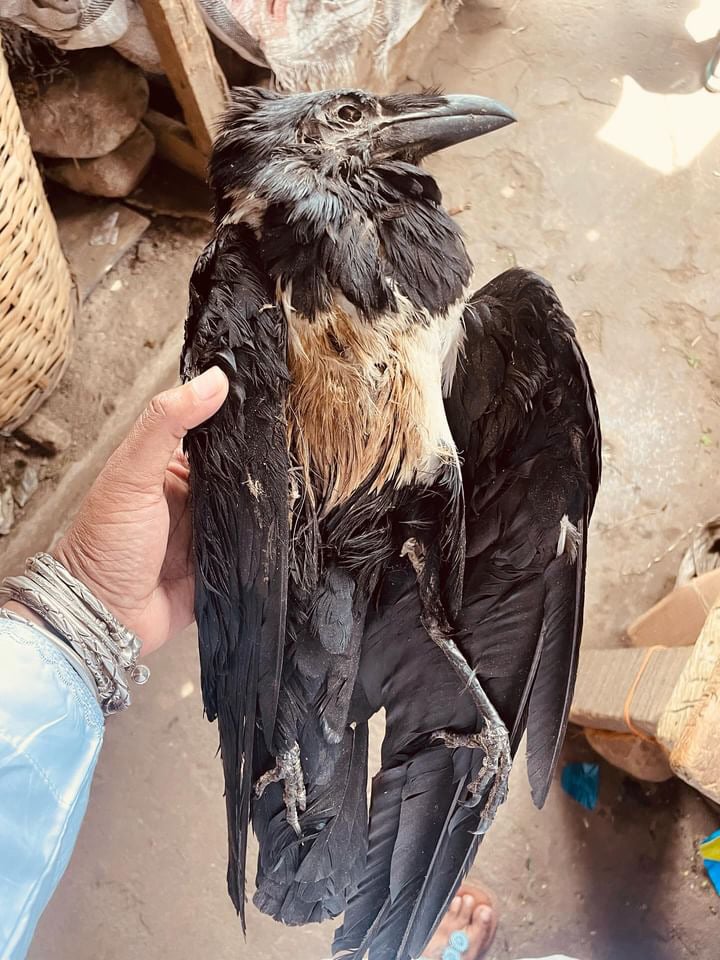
<point x="239" y="484"/>
<point x="523" y="414"/>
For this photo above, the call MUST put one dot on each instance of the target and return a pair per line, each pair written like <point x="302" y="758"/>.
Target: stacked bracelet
<point x="108" y="650"/>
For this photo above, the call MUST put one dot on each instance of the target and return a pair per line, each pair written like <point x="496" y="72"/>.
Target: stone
<point x="27" y="485"/>
<point x="116" y="174"/>
<point x="7" y="511"/>
<point x="145" y="251"/>
<point x="137" y="44"/>
<point x="86" y="112"/>
<point x="42" y="432"/>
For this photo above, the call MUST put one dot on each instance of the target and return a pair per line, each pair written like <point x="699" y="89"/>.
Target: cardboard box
<point x="676" y="621"/>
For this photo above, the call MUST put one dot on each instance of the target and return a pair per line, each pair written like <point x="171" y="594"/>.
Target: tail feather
<point x="337" y="855"/>
<point x="371" y="900"/>
<point x="310" y="879"/>
<point x="453" y="857"/>
<point x="420" y="841"/>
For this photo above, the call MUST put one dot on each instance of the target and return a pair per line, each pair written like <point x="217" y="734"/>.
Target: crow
<point x="390" y="511"/>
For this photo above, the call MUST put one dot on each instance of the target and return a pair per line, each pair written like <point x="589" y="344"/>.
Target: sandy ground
<point x="608" y="186"/>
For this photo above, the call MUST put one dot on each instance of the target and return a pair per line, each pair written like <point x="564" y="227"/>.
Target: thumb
<point x="143" y="456"/>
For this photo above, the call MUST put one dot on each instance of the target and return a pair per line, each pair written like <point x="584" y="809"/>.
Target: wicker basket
<point x="38" y="300"/>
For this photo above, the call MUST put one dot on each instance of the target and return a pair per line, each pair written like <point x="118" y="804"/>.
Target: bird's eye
<point x="349" y="113"/>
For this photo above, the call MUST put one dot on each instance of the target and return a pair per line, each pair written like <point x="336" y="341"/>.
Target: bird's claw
<point x="495" y="770"/>
<point x="288" y="768"/>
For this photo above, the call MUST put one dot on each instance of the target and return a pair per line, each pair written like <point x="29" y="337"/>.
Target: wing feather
<point x="536" y="468"/>
<point x="239" y="485"/>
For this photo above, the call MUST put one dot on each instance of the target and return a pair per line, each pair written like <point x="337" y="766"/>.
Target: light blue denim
<point x="51" y="731"/>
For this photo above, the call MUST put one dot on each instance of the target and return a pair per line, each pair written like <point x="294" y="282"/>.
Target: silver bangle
<point x="108" y="650"/>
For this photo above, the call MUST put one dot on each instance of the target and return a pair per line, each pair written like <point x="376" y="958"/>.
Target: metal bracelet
<point x="108" y="650"/>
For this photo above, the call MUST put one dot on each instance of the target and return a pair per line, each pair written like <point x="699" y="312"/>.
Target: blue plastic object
<point x="582" y="782"/>
<point x="712" y="866"/>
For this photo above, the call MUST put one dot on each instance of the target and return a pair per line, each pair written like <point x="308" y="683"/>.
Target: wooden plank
<point x="689" y="725"/>
<point x="696" y="756"/>
<point x="94" y="235"/>
<point x="189" y="62"/>
<point x="604" y="681"/>
<point x="175" y="144"/>
<point x="694" y="684"/>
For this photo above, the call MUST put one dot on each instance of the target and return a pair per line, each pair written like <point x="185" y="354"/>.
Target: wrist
<point x="76" y="555"/>
<point x="53" y="597"/>
<point x="76" y="563"/>
<point x="66" y="554"/>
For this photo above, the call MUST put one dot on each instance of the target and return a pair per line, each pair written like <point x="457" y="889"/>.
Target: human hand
<point x="130" y="542"/>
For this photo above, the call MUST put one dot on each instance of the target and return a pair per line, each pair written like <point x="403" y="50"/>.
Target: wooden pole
<point x="189" y="62"/>
<point x="175" y="144"/>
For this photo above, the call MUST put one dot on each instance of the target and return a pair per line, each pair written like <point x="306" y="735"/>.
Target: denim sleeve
<point x="51" y="731"/>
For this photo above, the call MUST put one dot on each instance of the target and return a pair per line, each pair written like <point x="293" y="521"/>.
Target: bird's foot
<point x="288" y="769"/>
<point x="495" y="770"/>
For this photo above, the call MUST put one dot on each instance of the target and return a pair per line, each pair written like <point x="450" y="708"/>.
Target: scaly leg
<point x="494" y="739"/>
<point x="495" y="768"/>
<point x="288" y="769"/>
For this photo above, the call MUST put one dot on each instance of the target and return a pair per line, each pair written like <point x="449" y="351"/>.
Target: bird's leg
<point x="288" y="769"/>
<point x="493" y="739"/>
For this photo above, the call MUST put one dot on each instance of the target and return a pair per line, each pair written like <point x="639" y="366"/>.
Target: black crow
<point x="390" y="511"/>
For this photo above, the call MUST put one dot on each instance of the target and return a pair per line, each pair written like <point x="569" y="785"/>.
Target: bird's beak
<point x="428" y="130"/>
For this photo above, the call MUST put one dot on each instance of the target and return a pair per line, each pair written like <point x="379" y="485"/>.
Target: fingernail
<point x="456" y="904"/>
<point x="209" y="383"/>
<point x="484" y="913"/>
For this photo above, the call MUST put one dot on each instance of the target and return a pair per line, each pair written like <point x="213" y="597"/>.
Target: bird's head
<point x="331" y="183"/>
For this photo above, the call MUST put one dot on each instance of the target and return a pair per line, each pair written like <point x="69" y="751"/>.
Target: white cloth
<point x="308" y="44"/>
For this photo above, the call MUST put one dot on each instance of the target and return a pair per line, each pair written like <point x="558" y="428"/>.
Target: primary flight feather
<point x="390" y="511"/>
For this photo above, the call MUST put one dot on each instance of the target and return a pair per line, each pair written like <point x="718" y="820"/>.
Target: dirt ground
<point x="608" y="185"/>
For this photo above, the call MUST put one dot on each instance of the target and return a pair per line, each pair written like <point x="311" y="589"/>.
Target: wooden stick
<point x="689" y="725"/>
<point x="175" y="144"/>
<point x="692" y="686"/>
<point x="189" y="62"/>
<point x="696" y="756"/>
